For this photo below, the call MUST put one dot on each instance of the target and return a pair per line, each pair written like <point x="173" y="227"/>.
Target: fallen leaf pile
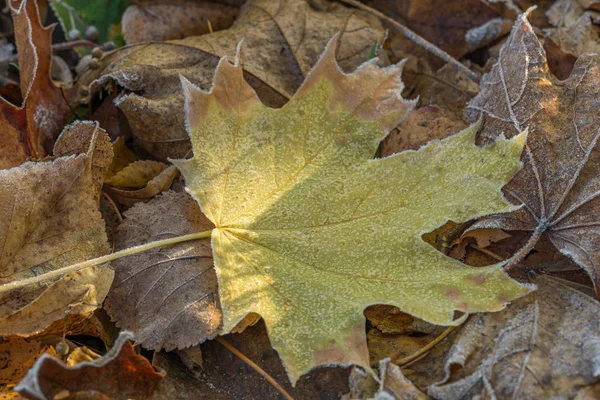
<point x="300" y="199"/>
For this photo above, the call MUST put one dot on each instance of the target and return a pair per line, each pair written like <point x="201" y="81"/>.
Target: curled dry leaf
<point x="49" y="219"/>
<point x="174" y="19"/>
<point x="153" y="187"/>
<point x="559" y="184"/>
<point x="282" y="40"/>
<point x="136" y="174"/>
<point x="120" y="374"/>
<point x="545" y="345"/>
<point x="260" y="175"/>
<point x="166" y="296"/>
<point x="27" y="131"/>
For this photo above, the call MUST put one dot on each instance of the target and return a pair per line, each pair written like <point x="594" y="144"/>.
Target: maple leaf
<point x="310" y="230"/>
<point x="27" y="129"/>
<point x="49" y="219"/>
<point x="559" y="183"/>
<point x="542" y="346"/>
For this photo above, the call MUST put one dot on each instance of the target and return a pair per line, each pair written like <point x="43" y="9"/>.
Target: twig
<point x="57" y="47"/>
<point x="417" y="39"/>
<point x="255" y="367"/>
<point x="487" y="252"/>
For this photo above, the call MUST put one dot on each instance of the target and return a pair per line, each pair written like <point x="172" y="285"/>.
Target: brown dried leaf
<point x="174" y="20"/>
<point x="49" y="219"/>
<point x="137" y="174"/>
<point x="29" y="130"/>
<point x="17" y="355"/>
<point x="155" y="186"/>
<point x="119" y="374"/>
<point x="391" y="385"/>
<point x="446" y="88"/>
<point x="282" y="40"/>
<point x="545" y="345"/>
<point x="394" y="386"/>
<point x="559" y="183"/>
<point x="575" y="26"/>
<point x="420" y="127"/>
<point x="166" y="296"/>
<point x="122" y="157"/>
<point x="458" y="27"/>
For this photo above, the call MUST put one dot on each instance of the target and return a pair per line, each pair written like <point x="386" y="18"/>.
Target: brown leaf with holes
<point x="153" y="21"/>
<point x="119" y="374"/>
<point x="545" y="345"/>
<point x="559" y="185"/>
<point x="30" y="130"/>
<point x="166" y="296"/>
<point x="49" y="219"/>
<point x="280" y="43"/>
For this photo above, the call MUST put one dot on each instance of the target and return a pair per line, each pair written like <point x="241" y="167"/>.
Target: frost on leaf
<point x="559" y="184"/>
<point x="120" y="374"/>
<point x="543" y="346"/>
<point x="49" y="219"/>
<point x="166" y="296"/>
<point x="26" y="130"/>
<point x="282" y="41"/>
<point x="310" y="229"/>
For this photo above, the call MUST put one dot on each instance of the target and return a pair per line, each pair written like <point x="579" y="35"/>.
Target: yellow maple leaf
<point x="310" y="229"/>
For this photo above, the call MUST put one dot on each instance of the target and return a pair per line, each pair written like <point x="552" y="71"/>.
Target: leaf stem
<point x="102" y="260"/>
<point x="417" y="39"/>
<point x="255" y="367"/>
<point x="519" y="255"/>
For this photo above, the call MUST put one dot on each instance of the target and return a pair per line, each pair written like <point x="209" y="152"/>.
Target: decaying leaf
<point x="390" y="385"/>
<point x="49" y="219"/>
<point x="136" y="174"/>
<point x="154" y="21"/>
<point x="158" y="184"/>
<point x="310" y="229"/>
<point x="575" y="26"/>
<point x="458" y="26"/>
<point x="419" y="128"/>
<point x="119" y="374"/>
<point x="394" y="386"/>
<point x="559" y="184"/>
<point x="166" y="296"/>
<point x="281" y="42"/>
<point x="545" y="345"/>
<point x="26" y="130"/>
<point x="17" y="355"/>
